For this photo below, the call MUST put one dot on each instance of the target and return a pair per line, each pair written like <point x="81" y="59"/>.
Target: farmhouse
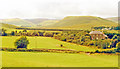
<point x="97" y="35"/>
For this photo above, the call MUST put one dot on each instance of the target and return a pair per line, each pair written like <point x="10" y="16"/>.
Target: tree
<point x="61" y="45"/>
<point x="4" y="33"/>
<point x="113" y="43"/>
<point x="118" y="38"/>
<point x="63" y="38"/>
<point x="3" y="30"/>
<point x="82" y="38"/>
<point x="13" y="33"/>
<point x="118" y="46"/>
<point x="24" y="30"/>
<point x="21" y="42"/>
<point x="115" y="37"/>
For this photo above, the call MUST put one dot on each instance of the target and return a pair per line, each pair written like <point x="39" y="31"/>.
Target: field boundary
<point x="54" y="51"/>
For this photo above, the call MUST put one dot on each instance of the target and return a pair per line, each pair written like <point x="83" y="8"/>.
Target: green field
<point x="43" y="42"/>
<point x="45" y="59"/>
<point x="31" y="59"/>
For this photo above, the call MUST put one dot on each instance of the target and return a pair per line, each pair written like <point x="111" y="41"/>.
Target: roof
<point x="95" y="32"/>
<point x="105" y="35"/>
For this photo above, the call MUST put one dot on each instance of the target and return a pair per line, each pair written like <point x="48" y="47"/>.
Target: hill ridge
<point x="82" y="22"/>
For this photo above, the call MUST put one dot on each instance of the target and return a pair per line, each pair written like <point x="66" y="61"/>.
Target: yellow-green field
<point x="43" y="42"/>
<point x="42" y="59"/>
<point x="31" y="59"/>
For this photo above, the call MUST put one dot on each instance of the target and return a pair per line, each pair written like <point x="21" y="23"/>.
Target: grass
<point x="28" y="59"/>
<point x="42" y="59"/>
<point x="43" y="42"/>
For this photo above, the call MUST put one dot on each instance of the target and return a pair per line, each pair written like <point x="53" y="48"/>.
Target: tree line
<point x="83" y="38"/>
<point x="104" y="27"/>
<point x="77" y="37"/>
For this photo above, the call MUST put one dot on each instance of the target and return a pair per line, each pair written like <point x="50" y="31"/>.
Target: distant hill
<point x="17" y="22"/>
<point x="82" y="22"/>
<point x="8" y="26"/>
<point x="114" y="19"/>
<point x="47" y="23"/>
<point x="41" y="21"/>
<point x="37" y="21"/>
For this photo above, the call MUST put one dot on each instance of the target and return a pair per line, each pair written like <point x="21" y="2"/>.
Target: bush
<point x="63" y="38"/>
<point x="4" y="34"/>
<point x="22" y="42"/>
<point x="24" y="30"/>
<point x="13" y="33"/>
<point x="97" y="51"/>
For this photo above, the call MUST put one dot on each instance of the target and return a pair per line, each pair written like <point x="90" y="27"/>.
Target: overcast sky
<point x="57" y="8"/>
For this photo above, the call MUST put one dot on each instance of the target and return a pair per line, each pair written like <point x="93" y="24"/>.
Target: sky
<point x="27" y="9"/>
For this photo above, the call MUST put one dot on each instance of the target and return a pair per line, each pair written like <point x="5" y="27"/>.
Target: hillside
<point x="114" y="19"/>
<point x="82" y="22"/>
<point x="8" y="26"/>
<point x="42" y="21"/>
<point x="47" y="23"/>
<point x="17" y="22"/>
<point x="37" y="21"/>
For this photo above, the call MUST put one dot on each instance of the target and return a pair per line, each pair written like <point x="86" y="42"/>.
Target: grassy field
<point x="31" y="59"/>
<point x="42" y="59"/>
<point x="43" y="42"/>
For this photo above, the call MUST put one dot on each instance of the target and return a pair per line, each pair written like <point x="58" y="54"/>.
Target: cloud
<point x="57" y="8"/>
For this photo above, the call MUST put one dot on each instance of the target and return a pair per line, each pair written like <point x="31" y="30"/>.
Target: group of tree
<point x="77" y="37"/>
<point x="27" y="33"/>
<point x="109" y="28"/>
<point x="83" y="38"/>
<point x="100" y="27"/>
<point x="110" y="34"/>
<point x="115" y="28"/>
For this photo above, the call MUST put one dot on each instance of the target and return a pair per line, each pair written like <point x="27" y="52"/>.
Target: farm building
<point x="97" y="35"/>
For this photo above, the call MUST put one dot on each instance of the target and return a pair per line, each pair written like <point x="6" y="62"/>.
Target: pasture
<point x="45" y="59"/>
<point x="34" y="59"/>
<point x="43" y="42"/>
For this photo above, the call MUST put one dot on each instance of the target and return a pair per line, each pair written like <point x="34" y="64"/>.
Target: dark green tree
<point x="13" y="33"/>
<point x="4" y="34"/>
<point x="3" y="30"/>
<point x="24" y="30"/>
<point x="22" y="42"/>
<point x="115" y="37"/>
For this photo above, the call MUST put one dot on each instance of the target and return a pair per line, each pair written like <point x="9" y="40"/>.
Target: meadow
<point x="44" y="43"/>
<point x="45" y="59"/>
<point x="34" y="59"/>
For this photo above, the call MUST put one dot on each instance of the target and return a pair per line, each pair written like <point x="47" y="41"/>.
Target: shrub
<point x="24" y="30"/>
<point x="22" y="42"/>
<point x="97" y="51"/>
<point x="4" y="34"/>
<point x="63" y="38"/>
<point x="13" y="33"/>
